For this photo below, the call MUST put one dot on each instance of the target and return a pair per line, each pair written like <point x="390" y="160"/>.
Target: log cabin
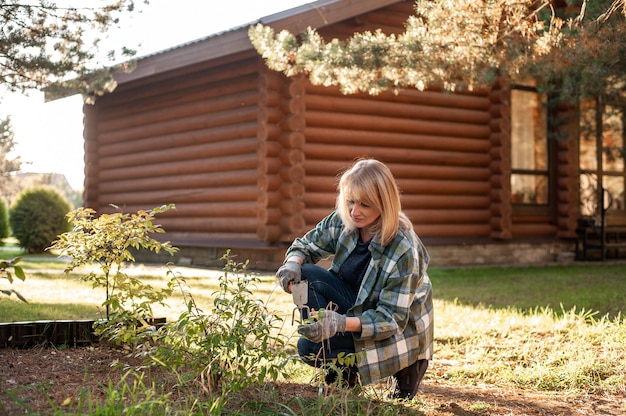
<point x="251" y="158"/>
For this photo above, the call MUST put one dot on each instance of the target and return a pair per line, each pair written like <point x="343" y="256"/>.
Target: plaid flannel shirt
<point x="394" y="302"/>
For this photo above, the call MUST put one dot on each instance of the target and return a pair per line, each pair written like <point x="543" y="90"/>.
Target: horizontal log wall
<point x="189" y="140"/>
<point x="247" y="154"/>
<point x="436" y="144"/>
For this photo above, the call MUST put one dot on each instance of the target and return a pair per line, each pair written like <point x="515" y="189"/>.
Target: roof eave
<point x="317" y="15"/>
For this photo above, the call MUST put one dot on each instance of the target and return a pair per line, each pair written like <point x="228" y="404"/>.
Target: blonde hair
<point x="372" y="183"/>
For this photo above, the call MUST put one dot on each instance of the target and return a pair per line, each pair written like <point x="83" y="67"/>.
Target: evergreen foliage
<point x="8" y="164"/>
<point x="456" y="45"/>
<point x="38" y="217"/>
<point x="54" y="45"/>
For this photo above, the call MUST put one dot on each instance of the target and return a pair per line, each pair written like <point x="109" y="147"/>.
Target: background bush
<point x="4" y="221"/>
<point x="38" y="217"/>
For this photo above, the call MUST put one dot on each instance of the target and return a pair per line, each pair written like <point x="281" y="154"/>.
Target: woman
<point x="376" y="298"/>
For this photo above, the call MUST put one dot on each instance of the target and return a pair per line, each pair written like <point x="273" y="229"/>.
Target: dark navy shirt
<point x="353" y="269"/>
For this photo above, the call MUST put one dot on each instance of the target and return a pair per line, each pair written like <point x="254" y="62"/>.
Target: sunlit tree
<point x="54" y="45"/>
<point x="578" y="47"/>
<point x="8" y="163"/>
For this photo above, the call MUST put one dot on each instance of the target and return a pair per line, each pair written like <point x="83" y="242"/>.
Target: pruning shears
<point x="300" y="293"/>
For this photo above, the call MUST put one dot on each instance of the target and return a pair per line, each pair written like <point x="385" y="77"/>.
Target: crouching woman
<point x="375" y="301"/>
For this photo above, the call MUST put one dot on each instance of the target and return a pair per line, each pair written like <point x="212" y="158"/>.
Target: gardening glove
<point x="287" y="274"/>
<point x="328" y="324"/>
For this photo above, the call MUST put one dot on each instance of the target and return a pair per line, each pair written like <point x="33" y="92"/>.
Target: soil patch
<point x="40" y="376"/>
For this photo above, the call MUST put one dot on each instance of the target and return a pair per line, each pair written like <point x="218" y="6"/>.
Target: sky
<point x="49" y="136"/>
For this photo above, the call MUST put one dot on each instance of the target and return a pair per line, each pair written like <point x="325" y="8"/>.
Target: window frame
<point x="536" y="209"/>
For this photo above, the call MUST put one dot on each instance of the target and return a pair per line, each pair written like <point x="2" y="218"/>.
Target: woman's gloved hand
<point x="328" y="324"/>
<point x="288" y="273"/>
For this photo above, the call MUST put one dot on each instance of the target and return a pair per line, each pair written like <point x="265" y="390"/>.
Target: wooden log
<point x="436" y="187"/>
<point x="268" y="148"/>
<point x="292" y="173"/>
<point x="217" y="240"/>
<point x="533" y="230"/>
<point x="269" y="79"/>
<point x="294" y="105"/>
<point x="444" y="201"/>
<point x="296" y="86"/>
<point x="394" y="139"/>
<point x="269" y="98"/>
<point x="496" y="138"/>
<point x="269" y="233"/>
<point x="269" y="183"/>
<point x="428" y="98"/>
<point x="213" y="209"/>
<point x="495" y="110"/>
<point x="440" y="187"/>
<point x="293" y="123"/>
<point x="269" y="115"/>
<point x="170" y="90"/>
<point x="409" y="172"/>
<point x="269" y="165"/>
<point x="420" y="216"/>
<point x="449" y="216"/>
<point x="179" y="168"/>
<point x="197" y="180"/>
<point x="324" y="200"/>
<point x="237" y="95"/>
<point x="499" y="224"/>
<point x="292" y="224"/>
<point x="267" y="131"/>
<point x="293" y="139"/>
<point x="456" y="231"/>
<point x="393" y="155"/>
<point x="499" y="124"/>
<point x="497" y="209"/>
<point x="320" y="184"/>
<point x="230" y="194"/>
<point x="269" y="216"/>
<point x="206" y="120"/>
<point x="406" y="170"/>
<point x="378" y="123"/>
<point x="323" y="167"/>
<point x="213" y="224"/>
<point x="292" y="207"/>
<point x="292" y="190"/>
<point x="495" y="167"/>
<point x="201" y="151"/>
<point x="292" y="156"/>
<point x="401" y="110"/>
<point x="186" y="138"/>
<point x="269" y="199"/>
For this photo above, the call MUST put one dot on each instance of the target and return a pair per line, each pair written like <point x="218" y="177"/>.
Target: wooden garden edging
<point x="40" y="333"/>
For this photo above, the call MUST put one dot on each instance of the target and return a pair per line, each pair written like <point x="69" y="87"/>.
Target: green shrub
<point x="107" y="241"/>
<point x="38" y="217"/>
<point x="4" y="221"/>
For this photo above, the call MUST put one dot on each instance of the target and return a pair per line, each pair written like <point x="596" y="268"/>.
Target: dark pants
<point x="326" y="287"/>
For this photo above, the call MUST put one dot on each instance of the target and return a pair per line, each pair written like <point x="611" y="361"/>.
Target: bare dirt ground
<point x="40" y="376"/>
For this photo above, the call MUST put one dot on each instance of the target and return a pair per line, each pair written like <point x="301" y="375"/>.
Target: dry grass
<point x="487" y="360"/>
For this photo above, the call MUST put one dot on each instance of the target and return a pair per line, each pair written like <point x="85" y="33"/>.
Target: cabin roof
<point x="316" y="14"/>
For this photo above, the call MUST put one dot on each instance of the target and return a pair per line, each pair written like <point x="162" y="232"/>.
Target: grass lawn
<point x="598" y="288"/>
<point x="592" y="287"/>
<point x="554" y="329"/>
